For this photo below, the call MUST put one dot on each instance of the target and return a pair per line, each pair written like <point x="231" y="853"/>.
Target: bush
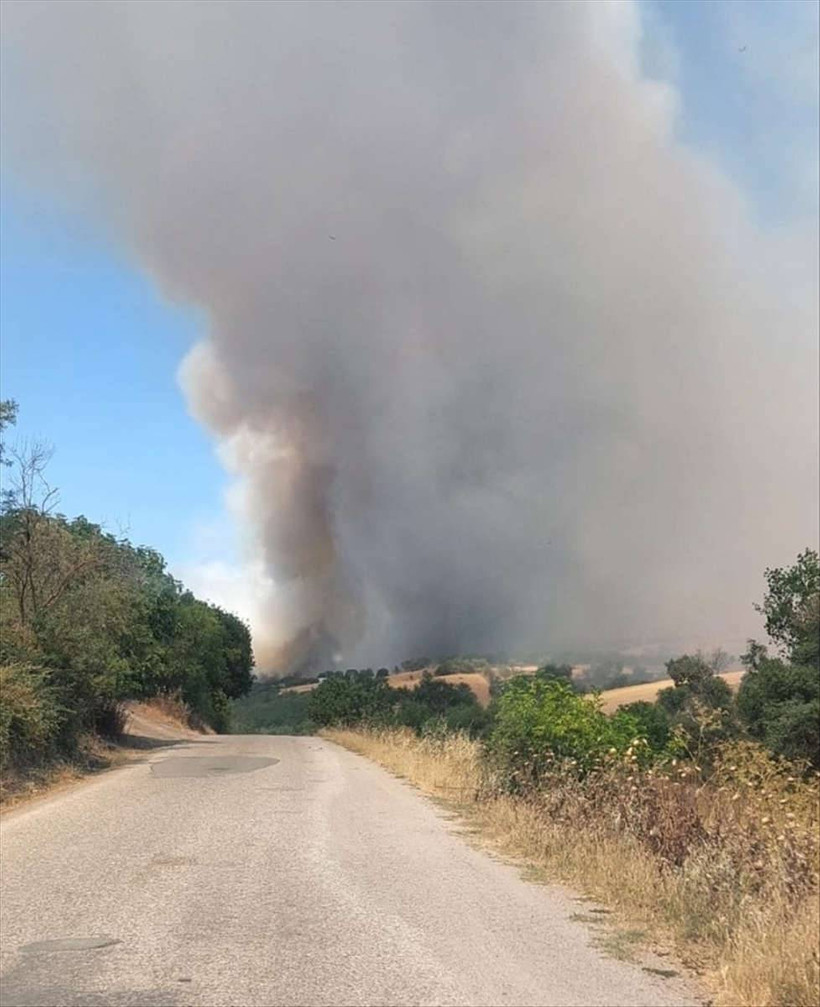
<point x="540" y="725"/>
<point x="31" y="719"/>
<point x="653" y="723"/>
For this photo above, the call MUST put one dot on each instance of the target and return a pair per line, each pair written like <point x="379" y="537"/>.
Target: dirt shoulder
<point x="150" y="725"/>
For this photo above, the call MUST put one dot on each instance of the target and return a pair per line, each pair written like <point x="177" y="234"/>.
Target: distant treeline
<point x="90" y="620"/>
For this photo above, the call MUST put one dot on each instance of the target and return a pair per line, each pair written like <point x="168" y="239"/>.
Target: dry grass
<point x="18" y="785"/>
<point x="726" y="872"/>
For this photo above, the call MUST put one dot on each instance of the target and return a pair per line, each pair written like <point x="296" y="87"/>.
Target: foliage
<point x="543" y="724"/>
<point x="91" y="620"/>
<point x="779" y="704"/>
<point x="779" y="698"/>
<point x="699" y="706"/>
<point x="31" y="719"/>
<point x="462" y="666"/>
<point x="555" y="673"/>
<point x="266" y="709"/>
<point x="355" y="697"/>
<point x="653" y="722"/>
<point x="8" y="417"/>
<point x="416" y="663"/>
<point x="360" y="697"/>
<point x="791" y="607"/>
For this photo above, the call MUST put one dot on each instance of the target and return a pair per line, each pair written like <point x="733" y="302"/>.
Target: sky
<point x="91" y="347"/>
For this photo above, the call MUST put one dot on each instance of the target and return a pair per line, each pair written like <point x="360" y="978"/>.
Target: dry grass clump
<point x="727" y="868"/>
<point x="168" y="707"/>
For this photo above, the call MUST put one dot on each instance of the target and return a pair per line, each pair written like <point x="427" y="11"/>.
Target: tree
<point x="700" y="703"/>
<point x="791" y="607"/>
<point x="42" y="555"/>
<point x="438" y="696"/>
<point x="8" y="417"/>
<point x="779" y="698"/>
<point x="779" y="704"/>
<point x="350" y="699"/>
<point x="555" y="673"/>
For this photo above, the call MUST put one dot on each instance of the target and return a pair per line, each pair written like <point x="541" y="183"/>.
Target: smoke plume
<point x="498" y="362"/>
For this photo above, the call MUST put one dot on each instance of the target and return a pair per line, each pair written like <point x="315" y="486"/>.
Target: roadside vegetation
<point x="696" y="817"/>
<point x="89" y="620"/>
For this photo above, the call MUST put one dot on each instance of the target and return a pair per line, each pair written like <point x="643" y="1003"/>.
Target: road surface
<point x="234" y="871"/>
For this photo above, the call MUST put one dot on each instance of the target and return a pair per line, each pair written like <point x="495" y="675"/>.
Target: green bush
<point x="653" y="723"/>
<point x="540" y="724"/>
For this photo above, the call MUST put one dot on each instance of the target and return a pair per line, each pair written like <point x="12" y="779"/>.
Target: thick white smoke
<point x="499" y="363"/>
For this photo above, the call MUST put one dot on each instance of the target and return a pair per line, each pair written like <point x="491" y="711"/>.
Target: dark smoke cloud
<point x="498" y="362"/>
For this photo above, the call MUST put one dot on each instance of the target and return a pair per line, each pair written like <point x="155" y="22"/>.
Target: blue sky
<point x="90" y="352"/>
<point x="90" y="349"/>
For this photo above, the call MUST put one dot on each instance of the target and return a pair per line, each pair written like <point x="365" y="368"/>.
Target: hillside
<point x="480" y="685"/>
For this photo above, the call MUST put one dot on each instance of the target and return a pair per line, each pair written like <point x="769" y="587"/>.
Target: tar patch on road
<point x="192" y="766"/>
<point x="69" y="944"/>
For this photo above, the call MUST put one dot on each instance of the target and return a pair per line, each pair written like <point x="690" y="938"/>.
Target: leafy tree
<point x="89" y="620"/>
<point x="779" y="704"/>
<point x="350" y="699"/>
<point x="699" y="706"/>
<point x="8" y="417"/>
<point x="555" y="673"/>
<point x="438" y="696"/>
<point x="791" y="607"/>
<point x="416" y="663"/>
<point x="779" y="698"/>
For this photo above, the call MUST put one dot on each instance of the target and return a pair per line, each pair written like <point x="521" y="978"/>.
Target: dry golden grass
<point x="727" y="873"/>
<point x="93" y="755"/>
<point x="648" y="691"/>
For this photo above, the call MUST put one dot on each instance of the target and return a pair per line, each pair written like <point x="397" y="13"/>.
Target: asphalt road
<point x="264" y="871"/>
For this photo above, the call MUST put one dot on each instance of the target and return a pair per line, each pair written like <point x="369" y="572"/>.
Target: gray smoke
<point x="499" y="362"/>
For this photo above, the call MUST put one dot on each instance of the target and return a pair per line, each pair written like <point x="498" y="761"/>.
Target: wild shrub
<point x="541" y="725"/>
<point x="31" y="719"/>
